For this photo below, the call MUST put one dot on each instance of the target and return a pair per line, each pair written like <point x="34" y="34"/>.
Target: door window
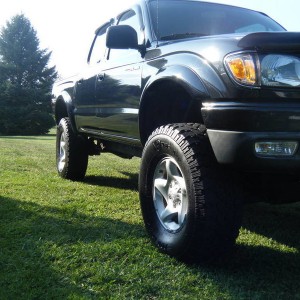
<point x="99" y="46"/>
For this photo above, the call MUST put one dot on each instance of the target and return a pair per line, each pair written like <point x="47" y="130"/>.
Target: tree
<point x="25" y="80"/>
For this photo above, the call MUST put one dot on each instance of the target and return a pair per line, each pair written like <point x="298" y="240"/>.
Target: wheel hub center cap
<point x="175" y="193"/>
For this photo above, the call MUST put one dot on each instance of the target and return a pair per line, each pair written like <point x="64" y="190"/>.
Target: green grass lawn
<point x="68" y="240"/>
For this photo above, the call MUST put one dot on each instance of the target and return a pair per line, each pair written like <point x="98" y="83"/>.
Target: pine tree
<point x="25" y="80"/>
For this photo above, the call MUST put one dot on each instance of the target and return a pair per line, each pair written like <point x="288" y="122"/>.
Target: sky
<point x="66" y="27"/>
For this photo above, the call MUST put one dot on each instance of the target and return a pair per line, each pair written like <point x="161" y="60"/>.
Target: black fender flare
<point x="198" y="78"/>
<point x="181" y="75"/>
<point x="65" y="99"/>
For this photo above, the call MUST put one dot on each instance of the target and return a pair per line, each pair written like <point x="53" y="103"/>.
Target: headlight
<point x="280" y="70"/>
<point x="273" y="70"/>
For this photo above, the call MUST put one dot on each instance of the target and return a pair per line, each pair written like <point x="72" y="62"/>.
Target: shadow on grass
<point x="260" y="271"/>
<point x="281" y="223"/>
<point x="40" y="244"/>
<point x="34" y="241"/>
<point x="130" y="183"/>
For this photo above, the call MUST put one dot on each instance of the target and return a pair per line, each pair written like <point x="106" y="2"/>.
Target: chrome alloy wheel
<point x="62" y="152"/>
<point x="169" y="194"/>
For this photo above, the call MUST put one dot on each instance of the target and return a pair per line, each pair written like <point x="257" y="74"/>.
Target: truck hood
<point x="253" y="41"/>
<point x="214" y="48"/>
<point x="265" y="41"/>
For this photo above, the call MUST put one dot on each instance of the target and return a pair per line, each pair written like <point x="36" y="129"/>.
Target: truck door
<point x="118" y="87"/>
<point x="85" y="112"/>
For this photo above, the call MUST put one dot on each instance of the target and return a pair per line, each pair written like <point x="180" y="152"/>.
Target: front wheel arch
<point x="168" y="101"/>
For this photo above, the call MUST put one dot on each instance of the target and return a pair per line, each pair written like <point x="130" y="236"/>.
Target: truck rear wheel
<point x="71" y="152"/>
<point x="189" y="204"/>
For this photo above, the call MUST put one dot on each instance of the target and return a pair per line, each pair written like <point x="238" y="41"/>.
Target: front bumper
<point x="238" y="149"/>
<point x="234" y="129"/>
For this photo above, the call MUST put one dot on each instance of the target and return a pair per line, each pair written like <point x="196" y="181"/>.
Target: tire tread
<point x="217" y="204"/>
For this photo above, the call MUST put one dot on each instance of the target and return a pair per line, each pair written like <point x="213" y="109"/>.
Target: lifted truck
<point x="208" y="96"/>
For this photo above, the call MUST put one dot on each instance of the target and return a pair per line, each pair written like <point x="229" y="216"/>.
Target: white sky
<point x="66" y="27"/>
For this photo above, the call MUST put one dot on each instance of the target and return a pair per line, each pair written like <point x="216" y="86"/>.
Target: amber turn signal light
<point x="242" y="68"/>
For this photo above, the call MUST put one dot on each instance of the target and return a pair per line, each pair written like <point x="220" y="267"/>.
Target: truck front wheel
<point x="189" y="204"/>
<point x="71" y="152"/>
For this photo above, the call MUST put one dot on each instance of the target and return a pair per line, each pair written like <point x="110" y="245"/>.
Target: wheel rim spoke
<point x="161" y="186"/>
<point x="182" y="208"/>
<point x="171" y="170"/>
<point x="169" y="214"/>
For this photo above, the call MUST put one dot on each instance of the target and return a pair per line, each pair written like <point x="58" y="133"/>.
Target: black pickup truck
<point x="208" y="95"/>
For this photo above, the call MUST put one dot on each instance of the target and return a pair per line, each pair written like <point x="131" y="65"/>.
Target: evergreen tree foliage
<point x="25" y="80"/>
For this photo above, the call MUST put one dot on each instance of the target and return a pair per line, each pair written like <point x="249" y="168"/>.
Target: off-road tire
<point x="71" y="152"/>
<point x="179" y="172"/>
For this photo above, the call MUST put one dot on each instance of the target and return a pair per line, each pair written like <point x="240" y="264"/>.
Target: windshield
<point x="175" y="19"/>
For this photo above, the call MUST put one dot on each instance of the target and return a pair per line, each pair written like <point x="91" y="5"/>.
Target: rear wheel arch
<point x="64" y="109"/>
<point x="61" y="110"/>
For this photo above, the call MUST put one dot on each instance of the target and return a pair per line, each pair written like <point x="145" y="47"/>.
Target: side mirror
<point x="121" y="37"/>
